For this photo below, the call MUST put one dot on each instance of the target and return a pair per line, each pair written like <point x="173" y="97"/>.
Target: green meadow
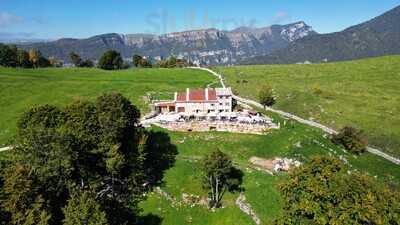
<point x="21" y="89"/>
<point x="363" y="93"/>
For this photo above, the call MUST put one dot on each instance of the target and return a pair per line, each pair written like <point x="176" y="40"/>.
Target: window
<point x="220" y="103"/>
<point x="227" y="104"/>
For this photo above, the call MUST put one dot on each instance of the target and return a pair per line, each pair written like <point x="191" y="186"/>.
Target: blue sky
<point x="51" y="19"/>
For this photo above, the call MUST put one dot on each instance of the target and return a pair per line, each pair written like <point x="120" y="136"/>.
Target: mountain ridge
<point x="203" y="46"/>
<point x="376" y="37"/>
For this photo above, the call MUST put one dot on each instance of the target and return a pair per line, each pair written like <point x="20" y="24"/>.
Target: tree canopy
<point x="326" y="191"/>
<point x="140" y="61"/>
<point x="88" y="157"/>
<point x="173" y="62"/>
<point x="83" y="209"/>
<point x="79" y="62"/>
<point x="111" y="60"/>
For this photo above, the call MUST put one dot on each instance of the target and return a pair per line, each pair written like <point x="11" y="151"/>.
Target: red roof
<point x="198" y="95"/>
<point x="212" y="95"/>
<point x="181" y="96"/>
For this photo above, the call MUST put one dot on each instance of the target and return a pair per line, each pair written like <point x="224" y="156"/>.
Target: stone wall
<point x="234" y="127"/>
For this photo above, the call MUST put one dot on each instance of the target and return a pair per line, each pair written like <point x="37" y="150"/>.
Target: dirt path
<point x="294" y="117"/>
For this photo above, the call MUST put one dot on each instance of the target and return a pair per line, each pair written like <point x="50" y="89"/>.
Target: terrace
<point x="246" y="121"/>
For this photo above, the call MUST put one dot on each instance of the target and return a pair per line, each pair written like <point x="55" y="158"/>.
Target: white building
<point x="198" y="102"/>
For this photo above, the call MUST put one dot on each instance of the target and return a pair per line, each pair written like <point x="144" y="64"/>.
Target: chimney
<point x="206" y="93"/>
<point x="187" y="94"/>
<point x="175" y="96"/>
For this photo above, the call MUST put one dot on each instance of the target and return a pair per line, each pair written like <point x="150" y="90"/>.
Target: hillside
<point x="377" y="37"/>
<point x="361" y="93"/>
<point x="208" y="46"/>
<point x="23" y="88"/>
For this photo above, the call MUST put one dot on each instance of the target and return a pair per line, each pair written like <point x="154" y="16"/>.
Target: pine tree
<point x="83" y="209"/>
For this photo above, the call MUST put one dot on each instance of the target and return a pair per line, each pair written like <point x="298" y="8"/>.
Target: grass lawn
<point x="363" y="93"/>
<point x="23" y="88"/>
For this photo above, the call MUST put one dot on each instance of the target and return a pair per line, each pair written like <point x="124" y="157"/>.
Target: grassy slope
<point x="62" y="86"/>
<point x="292" y="140"/>
<point x="20" y="89"/>
<point x="364" y="93"/>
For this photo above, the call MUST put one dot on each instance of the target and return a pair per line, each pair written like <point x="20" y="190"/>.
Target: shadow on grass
<point x="236" y="180"/>
<point x="149" y="219"/>
<point x="161" y="155"/>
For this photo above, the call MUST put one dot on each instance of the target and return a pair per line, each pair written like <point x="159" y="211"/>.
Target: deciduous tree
<point x="75" y="59"/>
<point x="97" y="146"/>
<point x="23" y="59"/>
<point x="8" y="55"/>
<point x="34" y="56"/>
<point x="111" y="60"/>
<point x="219" y="176"/>
<point x="136" y="60"/>
<point x="326" y="191"/>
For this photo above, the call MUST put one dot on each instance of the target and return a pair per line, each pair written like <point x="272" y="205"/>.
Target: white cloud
<point x="280" y="16"/>
<point x="7" y="19"/>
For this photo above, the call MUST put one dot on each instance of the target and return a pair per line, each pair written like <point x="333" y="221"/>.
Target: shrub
<point x="316" y="89"/>
<point x="351" y="139"/>
<point x="266" y="96"/>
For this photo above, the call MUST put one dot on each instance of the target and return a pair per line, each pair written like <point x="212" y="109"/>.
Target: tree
<point x="145" y="63"/>
<point x="23" y="59"/>
<point x="87" y="63"/>
<point x="54" y="62"/>
<point x="111" y="60"/>
<point x="172" y="62"/>
<point x="266" y="96"/>
<point x="351" y="139"/>
<point x="219" y="176"/>
<point x="8" y="55"/>
<point x="139" y="61"/>
<point x="43" y="62"/>
<point x="87" y="146"/>
<point x="79" y="62"/>
<point x="34" y="57"/>
<point x="37" y="59"/>
<point x="136" y="60"/>
<point x="75" y="59"/>
<point x="83" y="209"/>
<point x="324" y="191"/>
<point x="23" y="201"/>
